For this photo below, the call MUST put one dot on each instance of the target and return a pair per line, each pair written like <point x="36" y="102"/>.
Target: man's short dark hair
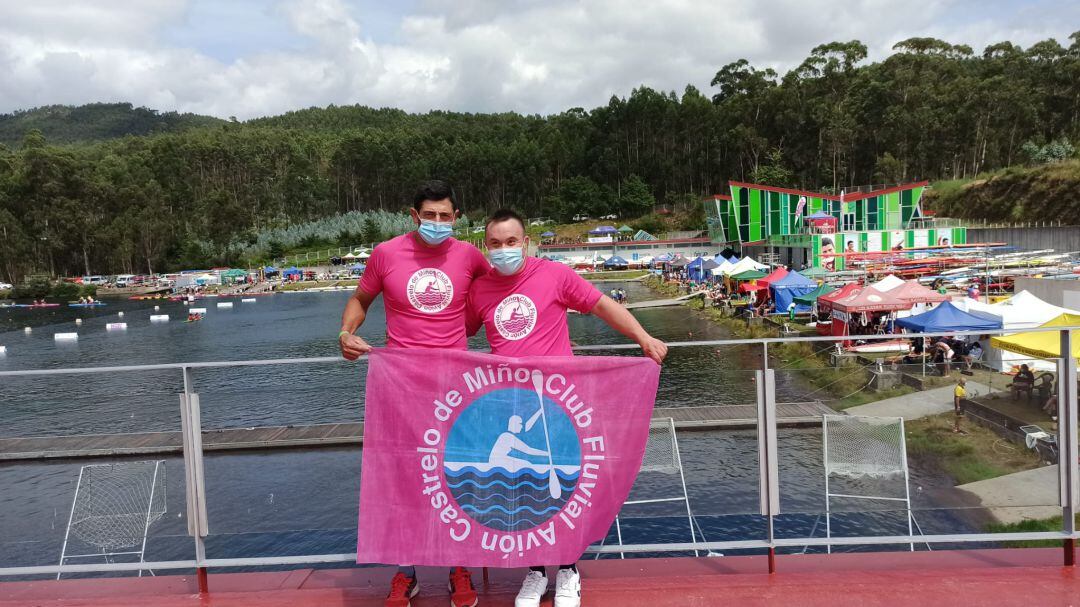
<point x="504" y="215"/>
<point x="436" y="189"/>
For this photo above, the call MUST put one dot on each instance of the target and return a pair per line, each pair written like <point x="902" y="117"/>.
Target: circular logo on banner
<point x="515" y="317"/>
<point x="430" y="290"/>
<point x="509" y="465"/>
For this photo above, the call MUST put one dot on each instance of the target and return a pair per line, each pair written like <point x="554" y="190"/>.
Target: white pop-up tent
<point x="1019" y="312"/>
<point x="888" y="283"/>
<point x="722" y="269"/>
<point x="744" y="264"/>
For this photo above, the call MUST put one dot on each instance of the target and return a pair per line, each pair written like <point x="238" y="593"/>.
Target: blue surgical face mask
<point x="435" y="232"/>
<point x="507" y="260"/>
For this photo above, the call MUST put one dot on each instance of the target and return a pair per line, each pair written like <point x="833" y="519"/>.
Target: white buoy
<point x="78" y="321"/>
<point x="156" y="308"/>
<point x="65" y="336"/>
<point x="27" y="330"/>
<point x="248" y="300"/>
<point x="3" y="350"/>
<point x="159" y="318"/>
<point x="225" y="304"/>
<point x="120" y="314"/>
<point x="197" y="310"/>
<point x="116" y="326"/>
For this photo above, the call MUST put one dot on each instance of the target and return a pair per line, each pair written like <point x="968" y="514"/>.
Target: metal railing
<point x="769" y="483"/>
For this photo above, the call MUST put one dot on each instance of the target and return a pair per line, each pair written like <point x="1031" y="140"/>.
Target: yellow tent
<point x="1044" y="344"/>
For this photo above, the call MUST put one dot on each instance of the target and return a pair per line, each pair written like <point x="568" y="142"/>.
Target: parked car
<point x="124" y="280"/>
<point x="6" y="287"/>
<point x="612" y="216"/>
<point x="93" y="280"/>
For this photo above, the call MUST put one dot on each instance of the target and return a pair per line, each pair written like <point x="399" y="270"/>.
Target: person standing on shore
<point x="522" y="304"/>
<point x="424" y="277"/>
<point x="959" y="393"/>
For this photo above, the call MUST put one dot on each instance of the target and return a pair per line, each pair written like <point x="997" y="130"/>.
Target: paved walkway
<point x="916" y="404"/>
<point x="1020" y="496"/>
<point x="1003" y="578"/>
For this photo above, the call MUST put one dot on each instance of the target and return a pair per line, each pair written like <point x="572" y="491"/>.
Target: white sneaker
<point x="567" y="588"/>
<point x="532" y="590"/>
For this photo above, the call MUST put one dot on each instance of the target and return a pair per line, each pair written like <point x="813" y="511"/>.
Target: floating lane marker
<point x="120" y="314"/>
<point x="224" y="304"/>
<point x="116" y="326"/>
<point x="248" y="300"/>
<point x="159" y="318"/>
<point x="27" y="330"/>
<point x="197" y="310"/>
<point x="65" y="336"/>
<point x="156" y="308"/>
<point x="3" y="350"/>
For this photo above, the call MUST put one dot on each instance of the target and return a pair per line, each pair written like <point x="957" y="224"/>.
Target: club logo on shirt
<point x="515" y="317"/>
<point x="430" y="290"/>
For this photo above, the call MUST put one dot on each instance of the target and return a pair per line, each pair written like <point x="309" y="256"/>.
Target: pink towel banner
<point x="463" y="465"/>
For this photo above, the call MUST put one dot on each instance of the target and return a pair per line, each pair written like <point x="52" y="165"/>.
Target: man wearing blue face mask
<point x="522" y="304"/>
<point x="424" y="277"/>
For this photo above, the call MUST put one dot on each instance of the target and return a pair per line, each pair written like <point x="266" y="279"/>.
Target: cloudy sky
<point x="249" y="58"/>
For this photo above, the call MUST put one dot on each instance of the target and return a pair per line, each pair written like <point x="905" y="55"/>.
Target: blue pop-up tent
<point x="693" y="269"/>
<point x="293" y="271"/>
<point x="268" y="270"/>
<point x="616" y="262"/>
<point x="787" y="288"/>
<point x="947" y="317"/>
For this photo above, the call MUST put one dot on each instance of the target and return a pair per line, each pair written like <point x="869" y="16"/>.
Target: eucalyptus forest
<point x="108" y="188"/>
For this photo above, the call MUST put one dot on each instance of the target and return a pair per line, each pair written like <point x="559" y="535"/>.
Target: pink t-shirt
<point x="424" y="290"/>
<point x="525" y="314"/>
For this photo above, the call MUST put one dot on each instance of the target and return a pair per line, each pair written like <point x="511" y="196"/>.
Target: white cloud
<point x="529" y="56"/>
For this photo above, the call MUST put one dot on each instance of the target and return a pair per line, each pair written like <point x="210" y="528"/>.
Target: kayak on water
<point x="47" y="305"/>
<point x="85" y="305"/>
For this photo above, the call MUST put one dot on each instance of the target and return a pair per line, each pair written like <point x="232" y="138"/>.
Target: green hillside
<point x="1042" y="193"/>
<point x="63" y="124"/>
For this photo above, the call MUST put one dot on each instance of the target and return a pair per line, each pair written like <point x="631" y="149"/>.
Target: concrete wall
<point x="1064" y="293"/>
<point x="1063" y="239"/>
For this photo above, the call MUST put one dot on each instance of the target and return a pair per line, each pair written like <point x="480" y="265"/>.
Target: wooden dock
<point x="336" y="435"/>
<point x="660" y="303"/>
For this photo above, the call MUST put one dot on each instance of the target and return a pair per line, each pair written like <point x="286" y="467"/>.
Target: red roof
<point x="870" y="300"/>
<point x="624" y="243"/>
<point x="844" y="291"/>
<point x="847" y="197"/>
<point x="913" y="292"/>
<point x="721" y="196"/>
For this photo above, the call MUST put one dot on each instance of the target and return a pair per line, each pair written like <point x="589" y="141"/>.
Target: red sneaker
<point x="402" y="588"/>
<point x="462" y="593"/>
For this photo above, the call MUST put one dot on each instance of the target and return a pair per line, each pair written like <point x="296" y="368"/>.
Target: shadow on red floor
<point x="1000" y="577"/>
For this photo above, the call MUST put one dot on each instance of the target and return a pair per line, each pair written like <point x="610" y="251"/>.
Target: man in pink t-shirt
<point x="522" y="304"/>
<point x="424" y="278"/>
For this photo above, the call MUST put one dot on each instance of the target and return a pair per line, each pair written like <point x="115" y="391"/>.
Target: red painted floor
<point x="1028" y="577"/>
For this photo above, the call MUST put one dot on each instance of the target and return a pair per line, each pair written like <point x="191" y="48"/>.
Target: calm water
<point x="296" y="501"/>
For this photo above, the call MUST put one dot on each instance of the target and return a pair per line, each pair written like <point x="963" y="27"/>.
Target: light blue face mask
<point x="435" y="232"/>
<point x="507" y="260"/>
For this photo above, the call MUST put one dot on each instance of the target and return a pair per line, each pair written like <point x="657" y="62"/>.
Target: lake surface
<point x="305" y="501"/>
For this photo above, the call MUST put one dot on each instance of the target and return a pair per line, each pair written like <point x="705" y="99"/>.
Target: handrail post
<point x="768" y="468"/>
<point x="1069" y="481"/>
<point x="195" y="486"/>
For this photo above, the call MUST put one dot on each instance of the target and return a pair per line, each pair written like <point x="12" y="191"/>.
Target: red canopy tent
<point x="773" y="276"/>
<point x="914" y="293"/>
<point x="776" y="274"/>
<point x="866" y="300"/>
<point x="825" y="302"/>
